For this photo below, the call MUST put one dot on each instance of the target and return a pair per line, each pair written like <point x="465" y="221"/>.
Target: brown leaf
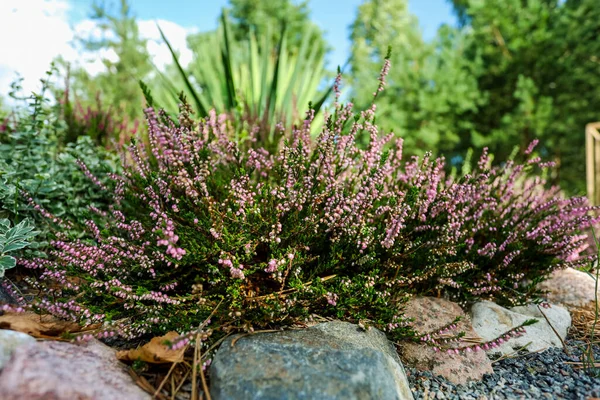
<point x="154" y="352"/>
<point x="38" y="325"/>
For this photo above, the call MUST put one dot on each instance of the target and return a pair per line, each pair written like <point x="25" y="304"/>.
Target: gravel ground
<point x="529" y="376"/>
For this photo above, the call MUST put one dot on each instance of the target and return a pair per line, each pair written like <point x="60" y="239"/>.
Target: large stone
<point x="430" y="314"/>
<point x="9" y="341"/>
<point x="491" y="320"/>
<point x="333" y="360"/>
<point x="571" y="288"/>
<point x="65" y="371"/>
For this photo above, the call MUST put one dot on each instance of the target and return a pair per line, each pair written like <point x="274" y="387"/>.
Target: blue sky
<point x="333" y="16"/>
<point x="48" y="28"/>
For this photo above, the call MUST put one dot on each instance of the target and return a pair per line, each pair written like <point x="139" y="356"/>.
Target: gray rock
<point x="65" y="371"/>
<point x="9" y="341"/>
<point x="491" y="320"/>
<point x="334" y="360"/>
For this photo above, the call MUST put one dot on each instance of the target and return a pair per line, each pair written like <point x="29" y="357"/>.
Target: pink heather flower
<point x="382" y="76"/>
<point x="531" y="146"/>
<point x="237" y="273"/>
<point x="331" y="298"/>
<point x="90" y="176"/>
<point x="337" y="86"/>
<point x="271" y="266"/>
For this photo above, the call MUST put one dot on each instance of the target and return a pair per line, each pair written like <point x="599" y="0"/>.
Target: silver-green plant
<point x="12" y="240"/>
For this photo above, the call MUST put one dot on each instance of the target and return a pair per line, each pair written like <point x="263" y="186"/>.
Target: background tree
<point x="118" y="85"/>
<point x="430" y="85"/>
<point x="257" y="15"/>
<point x="540" y="73"/>
<point x="265" y="18"/>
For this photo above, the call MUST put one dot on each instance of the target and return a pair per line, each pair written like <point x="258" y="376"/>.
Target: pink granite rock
<point x="52" y="370"/>
<point x="571" y="288"/>
<point x="431" y="314"/>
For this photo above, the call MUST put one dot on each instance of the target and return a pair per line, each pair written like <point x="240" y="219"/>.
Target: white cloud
<point x="176" y="34"/>
<point x="89" y="28"/>
<point x="34" y="32"/>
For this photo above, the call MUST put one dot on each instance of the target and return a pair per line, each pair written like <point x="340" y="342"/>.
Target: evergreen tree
<point x="540" y="73"/>
<point x="118" y="85"/>
<point x="430" y="85"/>
<point x="257" y="15"/>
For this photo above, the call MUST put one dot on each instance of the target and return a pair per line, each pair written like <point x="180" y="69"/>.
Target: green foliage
<point x="538" y="71"/>
<point x="12" y="240"/>
<point x="38" y="168"/>
<point x="514" y="71"/>
<point x="430" y="87"/>
<point x="118" y="85"/>
<point x="270" y="79"/>
<point x="261" y="82"/>
<point x="259" y="17"/>
<point x="103" y="126"/>
<point x="4" y="111"/>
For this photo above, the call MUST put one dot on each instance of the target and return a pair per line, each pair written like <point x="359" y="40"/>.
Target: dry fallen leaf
<point x="154" y="352"/>
<point x="40" y="326"/>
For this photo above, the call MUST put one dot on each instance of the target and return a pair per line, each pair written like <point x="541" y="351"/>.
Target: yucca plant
<point x="258" y="82"/>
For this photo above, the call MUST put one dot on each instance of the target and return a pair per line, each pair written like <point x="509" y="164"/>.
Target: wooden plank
<point x="592" y="161"/>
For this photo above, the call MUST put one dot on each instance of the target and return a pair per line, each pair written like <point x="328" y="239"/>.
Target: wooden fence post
<point x="592" y="161"/>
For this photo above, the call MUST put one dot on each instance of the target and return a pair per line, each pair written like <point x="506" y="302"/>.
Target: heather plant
<point x="210" y="235"/>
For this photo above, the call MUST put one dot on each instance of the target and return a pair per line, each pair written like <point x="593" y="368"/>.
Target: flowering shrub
<point x="208" y="232"/>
